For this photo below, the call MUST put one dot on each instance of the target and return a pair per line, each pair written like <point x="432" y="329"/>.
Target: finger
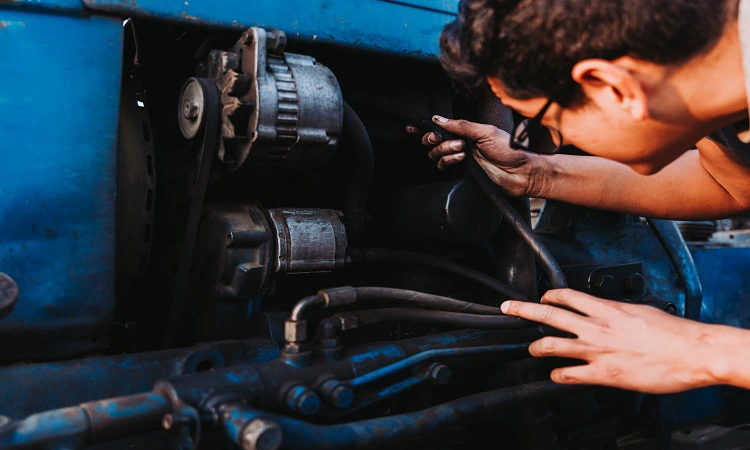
<point x="449" y="160"/>
<point x="431" y="138"/>
<point x="446" y="148"/>
<point x="471" y="130"/>
<point x="560" y="348"/>
<point x="585" y="374"/>
<point x="411" y="129"/>
<point x="547" y="314"/>
<point x="584" y="303"/>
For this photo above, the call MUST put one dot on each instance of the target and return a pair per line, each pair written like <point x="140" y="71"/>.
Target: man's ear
<point x="610" y="85"/>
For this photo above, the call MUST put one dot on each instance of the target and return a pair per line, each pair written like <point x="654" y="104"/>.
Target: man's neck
<point x="713" y="85"/>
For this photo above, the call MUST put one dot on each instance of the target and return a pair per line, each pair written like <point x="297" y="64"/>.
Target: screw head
<point x="8" y="294"/>
<point x="167" y="422"/>
<point x="261" y="434"/>
<point x="604" y="284"/>
<point x="190" y="109"/>
<point x="635" y="282"/>
<point x="440" y="374"/>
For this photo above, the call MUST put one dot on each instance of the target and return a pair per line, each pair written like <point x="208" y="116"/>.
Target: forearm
<point x="728" y="355"/>
<point x="682" y="190"/>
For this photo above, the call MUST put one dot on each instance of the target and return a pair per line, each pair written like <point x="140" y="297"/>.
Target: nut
<point x="295" y="331"/>
<point x="261" y="434"/>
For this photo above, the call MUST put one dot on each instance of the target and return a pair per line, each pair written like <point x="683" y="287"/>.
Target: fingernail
<point x="432" y="139"/>
<point x="457" y="145"/>
<point x="439" y="119"/>
<point x="460" y="156"/>
<point x="504" y="307"/>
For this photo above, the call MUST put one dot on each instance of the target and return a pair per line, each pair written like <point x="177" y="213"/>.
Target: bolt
<point x="167" y="421"/>
<point x="635" y="282"/>
<point x="303" y="400"/>
<point x="8" y="295"/>
<point x="337" y="394"/>
<point x="261" y="434"/>
<point x="190" y="109"/>
<point x="439" y="374"/>
<point x="604" y="284"/>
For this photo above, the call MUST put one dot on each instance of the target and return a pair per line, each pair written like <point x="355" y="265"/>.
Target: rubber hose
<point x="364" y="165"/>
<point x="497" y="197"/>
<point x="422" y="299"/>
<point x="384" y="254"/>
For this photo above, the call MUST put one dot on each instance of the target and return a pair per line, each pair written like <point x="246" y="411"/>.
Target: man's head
<point x="627" y="58"/>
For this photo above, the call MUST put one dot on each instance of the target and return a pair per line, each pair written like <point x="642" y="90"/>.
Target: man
<point x="636" y="83"/>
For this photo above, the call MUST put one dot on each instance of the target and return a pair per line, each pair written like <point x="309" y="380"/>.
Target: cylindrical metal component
<point x="261" y="434"/>
<point x="337" y="394"/>
<point x="302" y="400"/>
<point x="190" y="108"/>
<point x="440" y="374"/>
<point x="453" y="211"/>
<point x="308" y="240"/>
<point x="280" y="109"/>
<point x="8" y="295"/>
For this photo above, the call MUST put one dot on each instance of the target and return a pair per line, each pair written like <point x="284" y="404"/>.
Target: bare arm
<point x="707" y="183"/>
<point x="616" y="342"/>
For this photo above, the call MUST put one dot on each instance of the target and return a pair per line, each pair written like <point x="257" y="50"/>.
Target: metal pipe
<point x="403" y="427"/>
<point x="512" y="218"/>
<point x="674" y="244"/>
<point x="513" y="349"/>
<point x="385" y="254"/>
<point x="303" y="305"/>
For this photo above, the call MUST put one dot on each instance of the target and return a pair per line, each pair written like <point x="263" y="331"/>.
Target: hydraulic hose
<point x="497" y="197"/>
<point x="363" y="172"/>
<point x="674" y="244"/>
<point x="372" y="433"/>
<point x="384" y="254"/>
<point x="331" y="326"/>
<point x="424" y="300"/>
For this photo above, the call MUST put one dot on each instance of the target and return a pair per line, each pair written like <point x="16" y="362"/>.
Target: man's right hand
<point x="517" y="172"/>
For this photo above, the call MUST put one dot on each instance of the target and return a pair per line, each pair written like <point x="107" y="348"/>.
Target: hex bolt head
<point x="261" y="434"/>
<point x="635" y="282"/>
<point x="190" y="109"/>
<point x="604" y="284"/>
<point x="440" y="374"/>
<point x="8" y="295"/>
<point x="303" y="400"/>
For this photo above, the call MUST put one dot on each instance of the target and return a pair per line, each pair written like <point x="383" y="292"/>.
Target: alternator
<point x="279" y="109"/>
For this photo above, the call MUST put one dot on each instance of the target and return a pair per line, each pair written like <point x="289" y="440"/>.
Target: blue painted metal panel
<point x="725" y="275"/>
<point x="59" y="94"/>
<point x="410" y="27"/>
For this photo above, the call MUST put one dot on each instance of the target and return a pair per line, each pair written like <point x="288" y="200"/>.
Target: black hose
<point x="375" y="433"/>
<point x="363" y="172"/>
<point x="421" y="299"/>
<point x="497" y="197"/>
<point x="384" y="254"/>
<point x="674" y="244"/>
<point x="330" y="327"/>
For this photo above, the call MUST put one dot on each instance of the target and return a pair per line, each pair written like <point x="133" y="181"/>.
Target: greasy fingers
<point x="431" y="138"/>
<point x="446" y="161"/>
<point x="445" y="148"/>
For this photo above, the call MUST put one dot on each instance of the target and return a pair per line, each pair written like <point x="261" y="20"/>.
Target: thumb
<point x="463" y="128"/>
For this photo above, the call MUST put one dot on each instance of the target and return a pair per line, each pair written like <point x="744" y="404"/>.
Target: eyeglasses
<point x="530" y="134"/>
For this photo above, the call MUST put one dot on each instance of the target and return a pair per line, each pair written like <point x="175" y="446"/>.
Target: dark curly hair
<point x="532" y="45"/>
